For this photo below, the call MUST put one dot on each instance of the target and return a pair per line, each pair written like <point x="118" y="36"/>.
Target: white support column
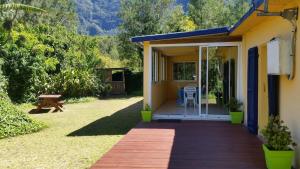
<point x="229" y="81"/>
<point x="150" y="77"/>
<point x="239" y="85"/>
<point x="199" y="79"/>
<point x="206" y="81"/>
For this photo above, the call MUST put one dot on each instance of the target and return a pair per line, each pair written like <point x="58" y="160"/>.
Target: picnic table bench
<point x="46" y="101"/>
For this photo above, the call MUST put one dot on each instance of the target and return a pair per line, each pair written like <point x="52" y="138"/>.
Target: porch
<point x="182" y="145"/>
<point x="211" y="70"/>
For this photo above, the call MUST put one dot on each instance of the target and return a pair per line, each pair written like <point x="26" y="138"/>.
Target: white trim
<point x="214" y="44"/>
<point x="156" y="66"/>
<point x="191" y="117"/>
<point x="239" y="86"/>
<point x="229" y="79"/>
<point x="206" y="85"/>
<point x="200" y="78"/>
<point x="150" y="77"/>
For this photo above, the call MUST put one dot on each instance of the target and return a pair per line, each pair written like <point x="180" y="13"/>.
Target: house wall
<point x="289" y="101"/>
<point x="159" y="88"/>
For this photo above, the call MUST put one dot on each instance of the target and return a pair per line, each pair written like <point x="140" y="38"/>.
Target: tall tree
<point x="216" y="13"/>
<point x="139" y="17"/>
<point x="175" y="20"/>
<point x="143" y="17"/>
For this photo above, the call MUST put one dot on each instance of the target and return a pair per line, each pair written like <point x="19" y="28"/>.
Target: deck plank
<point x="185" y="145"/>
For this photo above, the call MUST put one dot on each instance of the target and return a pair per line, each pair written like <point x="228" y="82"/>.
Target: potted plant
<point x="278" y="145"/>
<point x="147" y="113"/>
<point x="235" y="109"/>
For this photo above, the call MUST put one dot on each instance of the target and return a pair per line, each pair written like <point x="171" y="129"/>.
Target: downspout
<point x="293" y="55"/>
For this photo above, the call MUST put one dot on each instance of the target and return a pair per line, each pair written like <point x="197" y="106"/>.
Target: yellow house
<point x="256" y="61"/>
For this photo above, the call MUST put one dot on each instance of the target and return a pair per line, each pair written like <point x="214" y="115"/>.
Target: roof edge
<point x="203" y="32"/>
<point x="176" y="35"/>
<point x="256" y="4"/>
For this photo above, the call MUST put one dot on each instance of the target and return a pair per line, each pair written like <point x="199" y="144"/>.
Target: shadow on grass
<point x="118" y="123"/>
<point x="42" y="111"/>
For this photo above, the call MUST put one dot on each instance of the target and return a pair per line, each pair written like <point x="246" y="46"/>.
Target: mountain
<point x="100" y="17"/>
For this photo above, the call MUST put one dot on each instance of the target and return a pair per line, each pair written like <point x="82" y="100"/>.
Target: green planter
<point x="146" y="116"/>
<point x="236" y="117"/>
<point x="278" y="159"/>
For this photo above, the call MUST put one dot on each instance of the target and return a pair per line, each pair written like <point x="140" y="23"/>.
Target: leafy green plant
<point x="234" y="105"/>
<point x="106" y="89"/>
<point x="14" y="122"/>
<point x="147" y="108"/>
<point x="277" y="136"/>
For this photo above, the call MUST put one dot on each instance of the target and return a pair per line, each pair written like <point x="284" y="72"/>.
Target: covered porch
<point x="211" y="69"/>
<point x="185" y="145"/>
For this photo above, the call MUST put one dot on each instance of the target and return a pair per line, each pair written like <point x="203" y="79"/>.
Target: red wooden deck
<point x="185" y="145"/>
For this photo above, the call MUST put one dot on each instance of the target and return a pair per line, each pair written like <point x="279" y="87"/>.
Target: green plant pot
<point x="236" y="117"/>
<point x="146" y="116"/>
<point x="278" y="159"/>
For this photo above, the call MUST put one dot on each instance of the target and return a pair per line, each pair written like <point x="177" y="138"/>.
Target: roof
<point x="256" y="4"/>
<point x="203" y="32"/>
<point x="214" y="31"/>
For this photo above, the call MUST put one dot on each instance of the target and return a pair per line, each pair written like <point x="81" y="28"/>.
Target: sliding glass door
<point x="216" y="80"/>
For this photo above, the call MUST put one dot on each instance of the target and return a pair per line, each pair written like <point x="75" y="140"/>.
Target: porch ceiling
<point x="200" y="39"/>
<point x="193" y="51"/>
<point x="179" y="51"/>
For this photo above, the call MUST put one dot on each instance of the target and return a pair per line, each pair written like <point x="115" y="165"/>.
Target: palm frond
<point x="23" y="7"/>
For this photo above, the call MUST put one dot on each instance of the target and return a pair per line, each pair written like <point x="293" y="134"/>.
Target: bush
<point x="234" y="105"/>
<point x="133" y="82"/>
<point x="14" y="122"/>
<point x="278" y="137"/>
<point x="51" y="60"/>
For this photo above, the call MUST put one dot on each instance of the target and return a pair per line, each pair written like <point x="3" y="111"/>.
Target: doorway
<point x="218" y="80"/>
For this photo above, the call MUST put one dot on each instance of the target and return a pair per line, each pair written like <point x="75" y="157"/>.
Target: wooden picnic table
<point x="46" y="101"/>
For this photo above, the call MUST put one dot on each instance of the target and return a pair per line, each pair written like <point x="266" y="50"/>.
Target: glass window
<point x="184" y="71"/>
<point x="155" y="66"/>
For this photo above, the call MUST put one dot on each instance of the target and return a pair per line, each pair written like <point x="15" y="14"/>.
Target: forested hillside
<point x="100" y="17"/>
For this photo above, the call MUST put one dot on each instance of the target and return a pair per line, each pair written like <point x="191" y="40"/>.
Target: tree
<point x="175" y="20"/>
<point x="144" y="17"/>
<point x="10" y="12"/>
<point x="216" y="13"/>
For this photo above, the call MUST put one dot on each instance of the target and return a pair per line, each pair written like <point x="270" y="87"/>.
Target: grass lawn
<point x="75" y="138"/>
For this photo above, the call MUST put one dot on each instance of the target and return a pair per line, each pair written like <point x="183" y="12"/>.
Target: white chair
<point x="190" y="93"/>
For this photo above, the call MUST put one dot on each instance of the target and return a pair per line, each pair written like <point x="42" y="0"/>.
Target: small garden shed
<point x="116" y="78"/>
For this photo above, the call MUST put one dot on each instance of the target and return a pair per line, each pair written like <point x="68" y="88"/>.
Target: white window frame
<point x="163" y="68"/>
<point x="155" y="66"/>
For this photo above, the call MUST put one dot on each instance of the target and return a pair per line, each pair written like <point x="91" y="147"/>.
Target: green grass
<point x="75" y="138"/>
<point x="80" y="100"/>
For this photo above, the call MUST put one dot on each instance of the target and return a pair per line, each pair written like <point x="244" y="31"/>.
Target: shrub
<point x="105" y="90"/>
<point x="51" y="60"/>
<point x="14" y="122"/>
<point x="278" y="137"/>
<point x="234" y="105"/>
<point x="133" y="82"/>
<point x="147" y="108"/>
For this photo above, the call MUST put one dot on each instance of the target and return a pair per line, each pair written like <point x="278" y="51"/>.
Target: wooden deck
<point x="185" y="145"/>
